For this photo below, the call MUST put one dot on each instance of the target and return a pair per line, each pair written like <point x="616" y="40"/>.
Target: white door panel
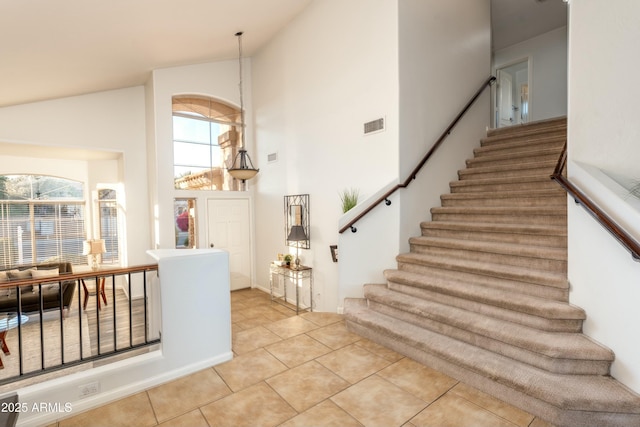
<point x="228" y="222"/>
<point x="505" y="100"/>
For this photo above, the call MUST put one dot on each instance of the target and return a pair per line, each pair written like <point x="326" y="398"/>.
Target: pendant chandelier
<point x="242" y="167"/>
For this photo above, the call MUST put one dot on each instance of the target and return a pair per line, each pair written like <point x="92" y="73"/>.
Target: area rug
<point x="44" y="333"/>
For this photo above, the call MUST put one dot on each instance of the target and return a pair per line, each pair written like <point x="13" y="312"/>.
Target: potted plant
<point x="288" y="258"/>
<point x="349" y="199"/>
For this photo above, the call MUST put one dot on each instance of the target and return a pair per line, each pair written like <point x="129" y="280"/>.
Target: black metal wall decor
<point x="334" y="252"/>
<point x="296" y="221"/>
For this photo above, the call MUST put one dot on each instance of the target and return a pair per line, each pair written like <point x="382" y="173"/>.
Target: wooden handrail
<point x="609" y="224"/>
<point x="414" y="172"/>
<point x="64" y="277"/>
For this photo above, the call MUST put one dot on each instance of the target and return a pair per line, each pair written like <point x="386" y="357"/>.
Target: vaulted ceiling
<point x="51" y="49"/>
<point x="513" y="21"/>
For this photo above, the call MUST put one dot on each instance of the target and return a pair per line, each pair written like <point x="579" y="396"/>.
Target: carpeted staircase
<point x="483" y="293"/>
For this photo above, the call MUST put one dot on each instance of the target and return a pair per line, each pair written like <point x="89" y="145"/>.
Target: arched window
<point x="42" y="219"/>
<point x="206" y="138"/>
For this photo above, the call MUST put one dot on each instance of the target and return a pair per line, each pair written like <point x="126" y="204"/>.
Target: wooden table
<point x="5" y="325"/>
<point x="99" y="289"/>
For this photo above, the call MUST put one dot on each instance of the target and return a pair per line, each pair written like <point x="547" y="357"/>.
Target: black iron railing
<point x="77" y="326"/>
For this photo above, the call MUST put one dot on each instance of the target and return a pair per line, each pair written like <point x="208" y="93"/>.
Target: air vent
<point x="374" y="126"/>
<point x="272" y="157"/>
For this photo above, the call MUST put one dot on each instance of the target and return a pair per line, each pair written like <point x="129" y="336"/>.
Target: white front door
<point x="228" y="229"/>
<point x="505" y="99"/>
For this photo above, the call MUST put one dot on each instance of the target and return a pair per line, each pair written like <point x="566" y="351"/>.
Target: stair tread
<point x="505" y="194"/>
<point x="538" y="235"/>
<point x="569" y="392"/>
<point x="569" y="345"/>
<point x="488" y="181"/>
<point x="527" y="154"/>
<point x="527" y="210"/>
<point x="542" y="140"/>
<point x="498" y="228"/>
<point x="536" y="128"/>
<point x="539" y="164"/>
<point x="506" y="171"/>
<point x="541" y="307"/>
<point x="555" y="280"/>
<point x="492" y="247"/>
<point x="526" y="130"/>
<point x="499" y="140"/>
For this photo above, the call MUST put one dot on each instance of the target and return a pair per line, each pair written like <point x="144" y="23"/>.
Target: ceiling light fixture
<point x="242" y="167"/>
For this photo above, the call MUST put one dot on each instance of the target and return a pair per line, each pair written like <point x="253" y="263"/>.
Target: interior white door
<point x="505" y="99"/>
<point x="228" y="229"/>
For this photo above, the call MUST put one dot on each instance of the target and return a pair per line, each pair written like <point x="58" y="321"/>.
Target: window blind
<point x="41" y="231"/>
<point x="109" y="229"/>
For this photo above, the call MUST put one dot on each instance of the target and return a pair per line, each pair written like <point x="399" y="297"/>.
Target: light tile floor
<point x="306" y="370"/>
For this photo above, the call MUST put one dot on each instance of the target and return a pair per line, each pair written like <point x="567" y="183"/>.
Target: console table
<point x="295" y="275"/>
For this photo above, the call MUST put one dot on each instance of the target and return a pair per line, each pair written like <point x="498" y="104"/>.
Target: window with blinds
<point x="42" y="219"/>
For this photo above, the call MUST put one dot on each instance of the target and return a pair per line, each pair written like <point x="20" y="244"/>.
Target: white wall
<point x="218" y="80"/>
<point x="548" y="55"/>
<point x="104" y="121"/>
<point x="315" y="85"/>
<point x="441" y="67"/>
<point x="604" y="127"/>
<point x="76" y="170"/>
<point x="604" y="131"/>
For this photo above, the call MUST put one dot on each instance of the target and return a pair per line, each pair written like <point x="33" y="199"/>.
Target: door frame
<point x="494" y="92"/>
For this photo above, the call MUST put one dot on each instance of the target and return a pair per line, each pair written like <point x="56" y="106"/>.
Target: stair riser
<point x="537" y="126"/>
<point x="547" y="140"/>
<point x="485" y="291"/>
<point x="525" y="239"/>
<point x="541" y="290"/>
<point x="512" y="217"/>
<point x="493" y="386"/>
<point x="500" y="218"/>
<point x="519" y="147"/>
<point x="493" y="139"/>
<point x="469" y="186"/>
<point x="486" y="173"/>
<point x="521" y="201"/>
<point x="551" y="265"/>
<point x="520" y="238"/>
<point x="503" y="313"/>
<point x="513" y="160"/>
<point x="440" y="326"/>
<point x="556" y="122"/>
